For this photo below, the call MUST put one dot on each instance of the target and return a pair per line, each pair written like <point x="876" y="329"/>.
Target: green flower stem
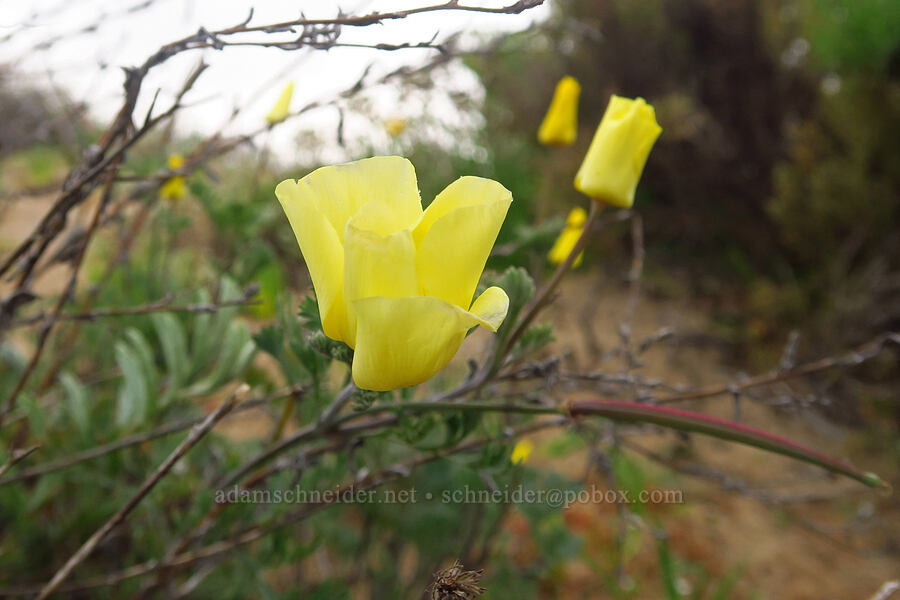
<point x="633" y="412"/>
<point x="544" y="295"/>
<point x="685" y="420"/>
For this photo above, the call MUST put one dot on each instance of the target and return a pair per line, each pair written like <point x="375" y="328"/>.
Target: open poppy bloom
<point x="394" y="282"/>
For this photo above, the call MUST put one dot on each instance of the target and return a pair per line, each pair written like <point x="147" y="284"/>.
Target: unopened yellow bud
<point x="521" y="451"/>
<point x="560" y="124"/>
<point x="395" y="127"/>
<point x="618" y="152"/>
<point x="568" y="237"/>
<point x="282" y="106"/>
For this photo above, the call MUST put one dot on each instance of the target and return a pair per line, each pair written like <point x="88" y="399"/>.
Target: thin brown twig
<point x="860" y="355"/>
<point x="197" y="433"/>
<point x="51" y="319"/>
<point x="251" y="534"/>
<point x="140" y="438"/>
<point x="15" y="457"/>
<point x="163" y="305"/>
<point x="544" y="295"/>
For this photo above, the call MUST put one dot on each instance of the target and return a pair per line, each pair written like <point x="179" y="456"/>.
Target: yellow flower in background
<point x="175" y="162"/>
<point x="282" y="106"/>
<point x="560" y="124"/>
<point x="393" y="282"/>
<point x="174" y="188"/>
<point x="618" y="152"/>
<point x="521" y="451"/>
<point x="395" y="127"/>
<point x="568" y="237"/>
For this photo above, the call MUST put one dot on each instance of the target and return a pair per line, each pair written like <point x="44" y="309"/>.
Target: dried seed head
<point x="454" y="583"/>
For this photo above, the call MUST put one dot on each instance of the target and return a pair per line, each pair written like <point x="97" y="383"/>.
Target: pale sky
<point x="87" y="65"/>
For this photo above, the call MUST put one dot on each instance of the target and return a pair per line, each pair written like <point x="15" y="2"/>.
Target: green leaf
<point x="200" y="345"/>
<point x="77" y="406"/>
<point x="562" y="444"/>
<point x="208" y="342"/>
<point x="237" y="350"/>
<point x="131" y="406"/>
<point x="534" y="338"/>
<point x="309" y="312"/>
<point x="667" y="567"/>
<point x="174" y="346"/>
<point x="148" y="363"/>
<point x="270" y="340"/>
<point x="519" y="286"/>
<point x="35" y="414"/>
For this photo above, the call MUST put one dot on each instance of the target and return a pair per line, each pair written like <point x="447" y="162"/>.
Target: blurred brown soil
<point x="845" y="545"/>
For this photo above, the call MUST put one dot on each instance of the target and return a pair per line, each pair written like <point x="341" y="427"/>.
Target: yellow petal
<point x="376" y="265"/>
<point x="322" y="251"/>
<point x="560" y="124"/>
<point x="490" y="308"/>
<point x="455" y="236"/>
<point x="282" y="106"/>
<point x="387" y="183"/>
<point x="402" y="342"/>
<point x="618" y="152"/>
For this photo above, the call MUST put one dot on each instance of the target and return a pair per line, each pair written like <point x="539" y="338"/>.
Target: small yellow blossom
<point x="394" y="282"/>
<point x="395" y="127"/>
<point x="568" y="237"/>
<point x="174" y="188"/>
<point x="521" y="451"/>
<point x="282" y="107"/>
<point x="560" y="124"/>
<point x="618" y="152"/>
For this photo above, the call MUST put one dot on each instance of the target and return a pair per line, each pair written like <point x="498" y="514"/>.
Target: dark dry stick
<point x="865" y="352"/>
<point x="15" y="457"/>
<point x="189" y="442"/>
<point x="50" y="320"/>
<point x="163" y="305"/>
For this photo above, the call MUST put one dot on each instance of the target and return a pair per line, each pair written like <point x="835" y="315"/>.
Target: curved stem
<point x="542" y="298"/>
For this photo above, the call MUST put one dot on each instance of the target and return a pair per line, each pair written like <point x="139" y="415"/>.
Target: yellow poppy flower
<point x="560" y="124"/>
<point x="395" y="127"/>
<point x="521" y="451"/>
<point x="618" y="152"/>
<point x="393" y="282"/>
<point x="568" y="237"/>
<point x="282" y="107"/>
<point x="174" y="188"/>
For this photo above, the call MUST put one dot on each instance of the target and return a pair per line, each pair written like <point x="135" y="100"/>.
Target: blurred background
<point x="771" y="216"/>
